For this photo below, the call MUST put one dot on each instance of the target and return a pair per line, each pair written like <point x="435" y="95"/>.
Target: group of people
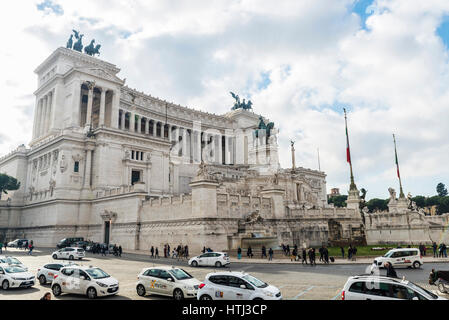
<point x="103" y="248"/>
<point x="179" y="252"/>
<point x="439" y="251"/>
<point x="352" y="252"/>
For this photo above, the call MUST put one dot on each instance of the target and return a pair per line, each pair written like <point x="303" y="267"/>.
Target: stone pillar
<point x="132" y="122"/>
<point x="147" y="126"/>
<point x="87" y="170"/>
<point x="123" y="120"/>
<point x="220" y="150"/>
<point x="276" y="194"/>
<point x="114" y="108"/>
<point x="37" y="118"/>
<point x="139" y="124"/>
<point x="154" y="128"/>
<point x="76" y="103"/>
<point x="204" y="198"/>
<point x="44" y="116"/>
<point x="48" y="112"/>
<point x="102" y="107"/>
<point x="169" y="133"/>
<point x="184" y="143"/>
<point x="90" y="100"/>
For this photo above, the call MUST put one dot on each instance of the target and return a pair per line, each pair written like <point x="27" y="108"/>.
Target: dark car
<point x="81" y="244"/>
<point x="68" y="242"/>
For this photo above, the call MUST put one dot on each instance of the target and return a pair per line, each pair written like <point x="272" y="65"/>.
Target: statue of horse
<point x="97" y="49"/>
<point x="70" y="42"/>
<point x="90" y="48"/>
<point x="79" y="44"/>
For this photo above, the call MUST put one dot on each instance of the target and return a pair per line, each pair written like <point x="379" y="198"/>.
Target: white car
<point x="236" y="286"/>
<point x="90" y="281"/>
<point x="216" y="259"/>
<point x="167" y="281"/>
<point x="405" y="257"/>
<point x="48" y="272"/>
<point x="15" y="243"/>
<point x="13" y="262"/>
<point x="69" y="253"/>
<point x="369" y="287"/>
<point x="12" y="276"/>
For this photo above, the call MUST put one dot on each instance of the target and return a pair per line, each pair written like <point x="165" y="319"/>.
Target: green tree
<point x="443" y="206"/>
<point x="338" y="201"/>
<point x="441" y="190"/>
<point x="433" y="201"/>
<point x="8" y="183"/>
<point x="376" y="204"/>
<point x="420" y="201"/>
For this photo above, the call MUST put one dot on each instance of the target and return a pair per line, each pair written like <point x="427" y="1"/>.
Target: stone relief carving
<point x="392" y="193"/>
<point x="63" y="164"/>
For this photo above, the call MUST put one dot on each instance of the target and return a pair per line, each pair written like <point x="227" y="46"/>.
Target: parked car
<point x="67" y="242"/>
<point x="12" y="276"/>
<point x="12" y="262"/>
<point x="405" y="257"/>
<point x="167" y="281"/>
<point x="90" y="281"/>
<point x="17" y="243"/>
<point x="236" y="286"/>
<point x="69" y="253"/>
<point x="48" y="272"/>
<point x="81" y="244"/>
<point x="370" y="287"/>
<point x="216" y="259"/>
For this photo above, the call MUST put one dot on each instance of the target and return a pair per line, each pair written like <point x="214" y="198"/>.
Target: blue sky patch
<point x="361" y="7"/>
<point x="265" y="81"/>
<point x="48" y="4"/>
<point x="443" y="31"/>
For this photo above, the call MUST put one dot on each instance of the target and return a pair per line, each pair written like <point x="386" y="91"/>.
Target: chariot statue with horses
<point x="91" y="49"/>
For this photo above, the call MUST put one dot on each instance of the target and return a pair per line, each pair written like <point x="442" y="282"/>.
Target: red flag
<point x="348" y="153"/>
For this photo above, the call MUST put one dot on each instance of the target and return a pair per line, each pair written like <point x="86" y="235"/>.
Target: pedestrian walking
<point x="31" y="247"/>
<point x="239" y="253"/>
<point x="342" y="249"/>
<point x="186" y="251"/>
<point x="152" y="252"/>
<point x="354" y="252"/>
<point x="288" y="250"/>
<point x="350" y="252"/>
<point x="270" y="254"/>
<point x="325" y="255"/>
<point x="156" y="253"/>
<point x="304" y="256"/>
<point x="6" y="245"/>
<point x="293" y="256"/>
<point x="444" y="250"/>
<point x="390" y="270"/>
<point x="264" y="252"/>
<point x="249" y="252"/>
<point x="434" y="247"/>
<point x="119" y="250"/>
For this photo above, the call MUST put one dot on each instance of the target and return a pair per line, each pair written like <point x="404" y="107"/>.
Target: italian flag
<point x="397" y="162"/>
<point x="348" y="152"/>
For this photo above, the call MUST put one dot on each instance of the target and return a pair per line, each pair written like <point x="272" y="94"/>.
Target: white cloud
<point x="392" y="77"/>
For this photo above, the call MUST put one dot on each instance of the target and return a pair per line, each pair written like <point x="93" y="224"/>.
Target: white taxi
<point x="12" y="276"/>
<point x="215" y="259"/>
<point x="404" y="257"/>
<point x="167" y="281"/>
<point x="90" y="281"/>
<point x="236" y="286"/>
<point x="69" y="253"/>
<point x="13" y="262"/>
<point x="48" y="272"/>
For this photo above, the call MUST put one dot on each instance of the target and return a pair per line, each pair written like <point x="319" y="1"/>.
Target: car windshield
<point x="180" y="274"/>
<point x="254" y="281"/>
<point x="388" y="254"/>
<point x="12" y="260"/>
<point x="14" y="269"/>
<point x="97" y="273"/>
<point x="418" y="288"/>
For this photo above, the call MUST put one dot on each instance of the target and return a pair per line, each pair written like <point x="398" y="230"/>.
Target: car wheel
<point x="256" y="299"/>
<point x="56" y="290"/>
<point x="416" y="264"/>
<point x="54" y="256"/>
<point x="218" y="264"/>
<point x="5" y="285"/>
<point x="205" y="297"/>
<point x="141" y="290"/>
<point x="178" y="294"/>
<point x="71" y="258"/>
<point x="91" y="293"/>
<point x="42" y="280"/>
<point x="194" y="264"/>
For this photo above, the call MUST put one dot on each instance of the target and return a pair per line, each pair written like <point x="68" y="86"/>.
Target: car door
<point x="151" y="280"/>
<point x="236" y="287"/>
<point x="166" y="285"/>
<point x="203" y="259"/>
<point x="220" y="288"/>
<point x="66" y="280"/>
<point x="51" y="271"/>
<point x="378" y="291"/>
<point x="83" y="282"/>
<point x="397" y="259"/>
<point x="2" y="275"/>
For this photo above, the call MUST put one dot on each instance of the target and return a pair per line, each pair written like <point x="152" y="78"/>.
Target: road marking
<point x="338" y="294"/>
<point x="303" y="292"/>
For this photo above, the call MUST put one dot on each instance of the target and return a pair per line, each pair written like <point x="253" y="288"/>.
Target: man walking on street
<point x="304" y="256"/>
<point x="270" y="254"/>
<point x="157" y="253"/>
<point x="342" y="252"/>
<point x="434" y="247"/>
<point x="264" y="252"/>
<point x="152" y="252"/>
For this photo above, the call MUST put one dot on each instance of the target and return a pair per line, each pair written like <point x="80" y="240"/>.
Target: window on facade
<point x="76" y="167"/>
<point x="135" y="177"/>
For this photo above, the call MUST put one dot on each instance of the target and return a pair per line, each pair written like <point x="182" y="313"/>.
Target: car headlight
<point x="267" y="293"/>
<point x="102" y="284"/>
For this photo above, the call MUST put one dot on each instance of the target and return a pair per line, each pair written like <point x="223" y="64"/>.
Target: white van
<point x="404" y="257"/>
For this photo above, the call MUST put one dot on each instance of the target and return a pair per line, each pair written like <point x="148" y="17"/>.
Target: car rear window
<point x="358" y="287"/>
<point x="221" y="280"/>
<point x="80" y="250"/>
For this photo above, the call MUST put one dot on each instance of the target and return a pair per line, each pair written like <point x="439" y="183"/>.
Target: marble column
<point x="169" y="133"/>
<point x="102" y="107"/>
<point x="220" y="149"/>
<point x="90" y="99"/>
<point x="122" y="127"/>
<point x="43" y="116"/>
<point x="87" y="171"/>
<point x="37" y="118"/>
<point x="76" y="106"/>
<point x="184" y="143"/>
<point x="154" y="128"/>
<point x="139" y="124"/>
<point x="132" y="122"/>
<point x="48" y="113"/>
<point x="147" y="126"/>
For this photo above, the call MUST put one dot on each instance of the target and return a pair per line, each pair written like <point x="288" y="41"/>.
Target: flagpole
<point x="352" y="186"/>
<point x="319" y="164"/>
<point x="401" y="192"/>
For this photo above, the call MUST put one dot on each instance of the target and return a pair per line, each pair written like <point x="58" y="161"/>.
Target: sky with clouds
<point x="299" y="61"/>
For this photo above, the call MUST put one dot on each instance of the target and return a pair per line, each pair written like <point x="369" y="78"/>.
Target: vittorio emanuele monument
<point x="115" y="165"/>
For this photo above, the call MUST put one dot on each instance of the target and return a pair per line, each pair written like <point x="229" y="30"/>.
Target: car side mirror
<point x="2" y="272"/>
<point x="170" y="279"/>
<point x="415" y="298"/>
<point x="242" y="286"/>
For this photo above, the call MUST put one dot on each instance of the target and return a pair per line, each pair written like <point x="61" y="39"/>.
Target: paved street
<point x="298" y="282"/>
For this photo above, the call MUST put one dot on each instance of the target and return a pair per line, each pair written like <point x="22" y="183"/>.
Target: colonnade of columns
<point x="187" y="143"/>
<point x="90" y="98"/>
<point x="44" y="114"/>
